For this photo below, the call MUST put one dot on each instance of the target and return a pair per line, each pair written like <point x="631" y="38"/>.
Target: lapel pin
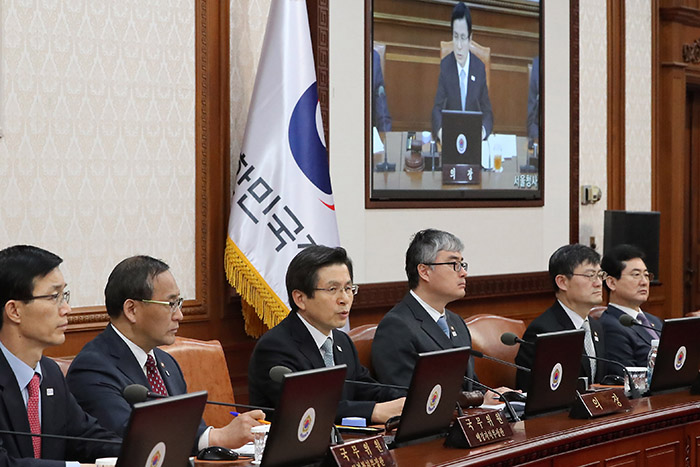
<point x="473" y="78"/>
<point x="339" y="349"/>
<point x="49" y="392"/>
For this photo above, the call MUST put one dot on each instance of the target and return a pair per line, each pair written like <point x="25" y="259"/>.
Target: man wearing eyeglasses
<point x="628" y="282"/>
<point x="34" y="397"/>
<point x="145" y="309"/>
<point x="578" y="283"/>
<point x="320" y="292"/>
<point x="420" y="322"/>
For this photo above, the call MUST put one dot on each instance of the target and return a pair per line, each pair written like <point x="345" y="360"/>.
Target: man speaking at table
<point x="145" y="309"/>
<point x="321" y="292"/>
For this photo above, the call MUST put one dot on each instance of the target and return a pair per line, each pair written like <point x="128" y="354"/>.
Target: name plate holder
<point x="599" y="403"/>
<point x="461" y="174"/>
<point x="366" y="452"/>
<point x="471" y="431"/>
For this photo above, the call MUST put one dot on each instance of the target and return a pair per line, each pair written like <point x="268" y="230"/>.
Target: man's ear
<point x="611" y="282"/>
<point x="12" y="311"/>
<point x="423" y="272"/>
<point x="562" y="282"/>
<point x="299" y="298"/>
<point x="129" y="310"/>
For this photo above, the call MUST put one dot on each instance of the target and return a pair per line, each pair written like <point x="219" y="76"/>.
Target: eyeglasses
<point x="59" y="298"/>
<point x="637" y="275"/>
<point x="348" y="289"/>
<point x="175" y="305"/>
<point x="592" y="276"/>
<point x="455" y="265"/>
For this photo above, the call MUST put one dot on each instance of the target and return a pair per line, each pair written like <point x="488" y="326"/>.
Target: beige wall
<point x="97" y="157"/>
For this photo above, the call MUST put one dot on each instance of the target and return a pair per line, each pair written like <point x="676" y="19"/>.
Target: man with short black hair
<point x="34" y="397"/>
<point x="321" y="292"/>
<point x="628" y="283"/>
<point x="145" y="309"/>
<point x="578" y="283"/>
<point x="462" y="81"/>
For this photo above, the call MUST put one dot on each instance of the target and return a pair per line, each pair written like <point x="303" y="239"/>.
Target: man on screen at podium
<point x="321" y="292"/>
<point x="437" y="275"/>
<point x="34" y="397"/>
<point x="578" y="283"/>
<point x="145" y="309"/>
<point x="462" y="81"/>
<point x="628" y="283"/>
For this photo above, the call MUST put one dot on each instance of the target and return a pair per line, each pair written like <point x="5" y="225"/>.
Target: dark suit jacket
<point x="448" y="97"/>
<point x="627" y="345"/>
<point x="290" y="344"/>
<point x="552" y="320"/>
<point x="104" y="367"/>
<point x="380" y="110"/>
<point x="533" y="102"/>
<point x="60" y="415"/>
<point x="407" y="330"/>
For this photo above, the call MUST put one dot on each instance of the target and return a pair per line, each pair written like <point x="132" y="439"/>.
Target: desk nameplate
<point x="599" y="403"/>
<point x="367" y="452"/>
<point x="471" y="431"/>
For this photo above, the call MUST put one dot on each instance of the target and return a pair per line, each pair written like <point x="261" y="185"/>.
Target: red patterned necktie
<point x="154" y="378"/>
<point x="33" y="414"/>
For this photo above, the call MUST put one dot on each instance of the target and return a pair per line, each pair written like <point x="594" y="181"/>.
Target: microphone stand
<point x="478" y="354"/>
<point x="511" y="410"/>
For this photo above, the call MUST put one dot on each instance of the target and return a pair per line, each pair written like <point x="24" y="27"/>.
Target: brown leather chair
<point x="362" y="337"/>
<point x="204" y="366"/>
<point x="63" y="363"/>
<point x="484" y="54"/>
<point x="486" y="333"/>
<point x="597" y="311"/>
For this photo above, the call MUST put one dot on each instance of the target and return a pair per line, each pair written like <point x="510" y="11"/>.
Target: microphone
<point x="71" y="438"/>
<point x="511" y="410"/>
<point x="277" y="375"/>
<point x="627" y="320"/>
<point x="478" y="354"/>
<point x="134" y="393"/>
<point x="634" y="392"/>
<point x="509" y="338"/>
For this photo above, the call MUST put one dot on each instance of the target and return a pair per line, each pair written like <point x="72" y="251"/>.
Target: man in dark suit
<point x="145" y="309"/>
<point x="578" y="282"/>
<point x="381" y="118"/>
<point x="34" y="397"/>
<point x="462" y="81"/>
<point x="320" y="292"/>
<point x="628" y="282"/>
<point x="437" y="275"/>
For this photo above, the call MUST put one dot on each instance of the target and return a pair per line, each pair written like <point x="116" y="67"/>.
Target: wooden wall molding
<point x="681" y="15"/>
<point x="574" y="113"/>
<point x="616" y="105"/>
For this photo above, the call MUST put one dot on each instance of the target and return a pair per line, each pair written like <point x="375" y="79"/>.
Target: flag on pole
<point x="283" y="200"/>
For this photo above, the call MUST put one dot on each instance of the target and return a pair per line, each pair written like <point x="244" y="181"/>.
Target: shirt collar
<point x="465" y="67"/>
<point x="630" y="311"/>
<point x="23" y="372"/>
<point x="573" y="316"/>
<point x="434" y="314"/>
<point x="138" y="352"/>
<point x="318" y="337"/>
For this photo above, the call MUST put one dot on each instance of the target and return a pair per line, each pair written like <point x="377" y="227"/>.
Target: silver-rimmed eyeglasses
<point x="175" y="305"/>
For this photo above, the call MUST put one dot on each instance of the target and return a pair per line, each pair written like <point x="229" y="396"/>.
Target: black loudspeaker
<point x="638" y="228"/>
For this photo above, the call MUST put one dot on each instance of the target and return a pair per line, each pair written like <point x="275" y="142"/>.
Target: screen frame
<point x="391" y="199"/>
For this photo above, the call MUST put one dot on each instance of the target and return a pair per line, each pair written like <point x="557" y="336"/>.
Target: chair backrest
<point x="380" y="47"/>
<point x="597" y="311"/>
<point x="484" y="54"/>
<point x="486" y="333"/>
<point x="203" y="364"/>
<point x="362" y="337"/>
<point x="63" y="363"/>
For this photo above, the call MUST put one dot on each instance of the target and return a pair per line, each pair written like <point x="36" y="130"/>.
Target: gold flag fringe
<point x="262" y="307"/>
